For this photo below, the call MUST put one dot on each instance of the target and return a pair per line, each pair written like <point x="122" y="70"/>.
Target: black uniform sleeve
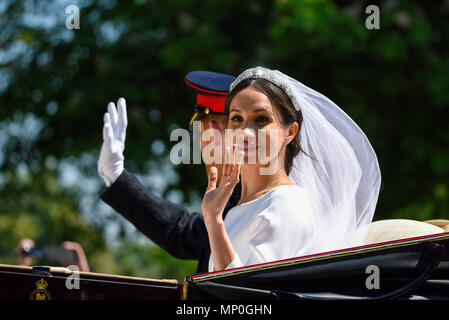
<point x="178" y="231"/>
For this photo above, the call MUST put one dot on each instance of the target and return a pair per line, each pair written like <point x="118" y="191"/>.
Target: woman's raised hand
<point x="111" y="161"/>
<point x="215" y="198"/>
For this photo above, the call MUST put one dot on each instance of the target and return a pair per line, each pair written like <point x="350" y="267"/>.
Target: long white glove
<point x="111" y="161"/>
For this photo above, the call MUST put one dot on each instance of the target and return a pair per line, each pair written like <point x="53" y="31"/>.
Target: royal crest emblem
<point x="40" y="293"/>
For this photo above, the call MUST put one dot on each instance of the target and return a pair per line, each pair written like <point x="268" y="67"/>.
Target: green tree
<point x="55" y="84"/>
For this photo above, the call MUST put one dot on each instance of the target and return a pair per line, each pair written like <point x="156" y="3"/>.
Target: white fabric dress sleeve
<point x="236" y="263"/>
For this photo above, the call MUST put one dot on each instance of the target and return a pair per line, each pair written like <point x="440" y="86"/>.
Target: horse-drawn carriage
<point x="408" y="268"/>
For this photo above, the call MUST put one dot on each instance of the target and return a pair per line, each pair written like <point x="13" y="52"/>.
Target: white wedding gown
<point x="276" y="226"/>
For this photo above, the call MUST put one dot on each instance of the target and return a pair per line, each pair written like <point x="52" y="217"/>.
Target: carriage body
<point x="413" y="268"/>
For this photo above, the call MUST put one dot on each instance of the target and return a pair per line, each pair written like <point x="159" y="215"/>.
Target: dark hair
<point x="282" y="102"/>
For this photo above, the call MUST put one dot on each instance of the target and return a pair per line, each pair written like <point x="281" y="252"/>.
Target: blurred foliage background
<point x="55" y="84"/>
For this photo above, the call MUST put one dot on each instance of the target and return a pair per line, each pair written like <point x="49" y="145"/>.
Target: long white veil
<point x="340" y="170"/>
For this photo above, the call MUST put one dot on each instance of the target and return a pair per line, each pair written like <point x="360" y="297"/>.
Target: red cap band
<point x="214" y="103"/>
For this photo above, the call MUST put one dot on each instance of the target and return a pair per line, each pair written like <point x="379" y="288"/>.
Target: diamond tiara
<point x="267" y="74"/>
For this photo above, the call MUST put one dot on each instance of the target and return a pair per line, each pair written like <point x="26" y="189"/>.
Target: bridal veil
<point x="339" y="168"/>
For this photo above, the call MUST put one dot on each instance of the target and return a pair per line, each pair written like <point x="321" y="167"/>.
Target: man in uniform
<point x="173" y="227"/>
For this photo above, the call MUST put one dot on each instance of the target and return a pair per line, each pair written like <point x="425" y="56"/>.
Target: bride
<point x="320" y="192"/>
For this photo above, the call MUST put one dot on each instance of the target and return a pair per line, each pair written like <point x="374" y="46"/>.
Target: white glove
<point x="111" y="161"/>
